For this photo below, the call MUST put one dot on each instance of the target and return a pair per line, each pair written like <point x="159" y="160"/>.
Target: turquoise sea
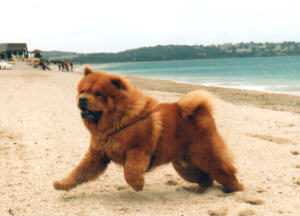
<point x="268" y="74"/>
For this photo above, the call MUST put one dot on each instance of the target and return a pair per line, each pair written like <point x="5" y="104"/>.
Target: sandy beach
<point x="42" y="138"/>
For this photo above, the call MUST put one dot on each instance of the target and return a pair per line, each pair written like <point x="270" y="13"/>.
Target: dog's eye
<point x="82" y="91"/>
<point x="98" y="94"/>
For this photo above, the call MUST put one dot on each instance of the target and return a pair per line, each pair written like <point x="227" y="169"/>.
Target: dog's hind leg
<point x="91" y="166"/>
<point x="224" y="173"/>
<point x="192" y="173"/>
<point x="137" y="162"/>
<point x="213" y="158"/>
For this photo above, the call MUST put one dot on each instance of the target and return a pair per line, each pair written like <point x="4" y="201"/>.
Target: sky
<point x="118" y="25"/>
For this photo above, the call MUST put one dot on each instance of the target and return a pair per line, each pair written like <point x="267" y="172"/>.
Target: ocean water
<point x="267" y="74"/>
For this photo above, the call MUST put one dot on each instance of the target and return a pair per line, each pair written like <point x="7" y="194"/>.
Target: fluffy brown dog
<point x="139" y="133"/>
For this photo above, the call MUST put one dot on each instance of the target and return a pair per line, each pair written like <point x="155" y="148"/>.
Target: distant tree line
<point x="184" y="52"/>
<point x="59" y="55"/>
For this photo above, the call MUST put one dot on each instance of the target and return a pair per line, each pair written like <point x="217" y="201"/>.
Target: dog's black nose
<point x="82" y="103"/>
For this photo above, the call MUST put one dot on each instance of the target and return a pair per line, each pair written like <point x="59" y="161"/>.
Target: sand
<point x="42" y="139"/>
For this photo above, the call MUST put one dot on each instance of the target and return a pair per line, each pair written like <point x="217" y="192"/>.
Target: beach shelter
<point x="8" y="50"/>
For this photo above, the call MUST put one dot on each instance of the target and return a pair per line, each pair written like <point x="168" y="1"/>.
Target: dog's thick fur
<point x="139" y="133"/>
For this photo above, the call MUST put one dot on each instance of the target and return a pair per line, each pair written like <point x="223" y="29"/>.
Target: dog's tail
<point x="195" y="101"/>
<point x="199" y="105"/>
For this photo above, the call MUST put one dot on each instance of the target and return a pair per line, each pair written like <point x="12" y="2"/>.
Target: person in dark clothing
<point x="62" y="66"/>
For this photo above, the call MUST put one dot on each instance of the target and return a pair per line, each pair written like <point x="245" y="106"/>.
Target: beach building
<point x="8" y="50"/>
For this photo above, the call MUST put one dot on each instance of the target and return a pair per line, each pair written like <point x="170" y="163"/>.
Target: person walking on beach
<point x="66" y="66"/>
<point x="59" y="65"/>
<point x="71" y="66"/>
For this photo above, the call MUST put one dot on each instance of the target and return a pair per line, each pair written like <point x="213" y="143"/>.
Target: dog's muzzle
<point x="83" y="103"/>
<point x="91" y="116"/>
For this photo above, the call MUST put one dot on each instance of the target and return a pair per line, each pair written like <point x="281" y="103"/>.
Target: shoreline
<point x="279" y="102"/>
<point x="246" y="88"/>
<point x="273" y="101"/>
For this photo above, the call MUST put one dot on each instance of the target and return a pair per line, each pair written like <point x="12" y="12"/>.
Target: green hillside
<point x="182" y="52"/>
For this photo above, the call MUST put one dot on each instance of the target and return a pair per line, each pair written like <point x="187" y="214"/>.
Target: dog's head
<point x="100" y="94"/>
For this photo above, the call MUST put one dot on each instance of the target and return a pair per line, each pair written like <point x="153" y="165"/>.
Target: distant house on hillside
<point x="8" y="50"/>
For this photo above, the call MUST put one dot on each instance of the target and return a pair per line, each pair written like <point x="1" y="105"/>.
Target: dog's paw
<point x="138" y="186"/>
<point x="235" y="188"/>
<point x="61" y="185"/>
<point x="135" y="181"/>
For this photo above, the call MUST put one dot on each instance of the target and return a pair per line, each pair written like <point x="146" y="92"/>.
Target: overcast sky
<point x="117" y="25"/>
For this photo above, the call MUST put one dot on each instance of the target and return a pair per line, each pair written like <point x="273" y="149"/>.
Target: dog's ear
<point x="119" y="83"/>
<point x="87" y="71"/>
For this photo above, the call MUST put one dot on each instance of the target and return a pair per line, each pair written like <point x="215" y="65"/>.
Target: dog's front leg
<point x="137" y="162"/>
<point x="90" y="167"/>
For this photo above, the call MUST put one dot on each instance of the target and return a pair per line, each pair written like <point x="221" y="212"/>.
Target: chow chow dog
<point x="138" y="133"/>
